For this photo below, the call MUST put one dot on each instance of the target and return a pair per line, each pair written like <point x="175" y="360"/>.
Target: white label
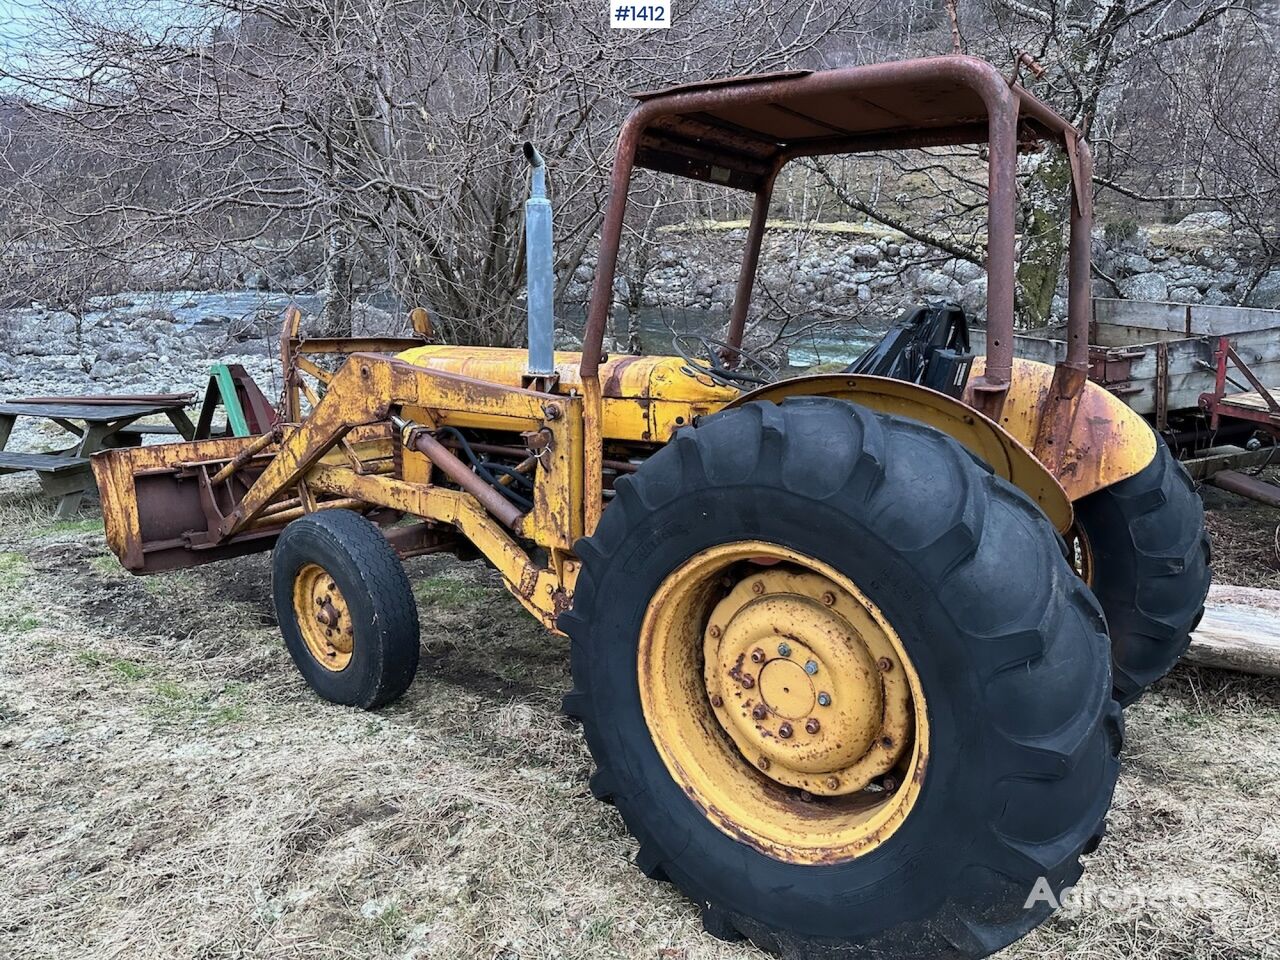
<point x="637" y="15"/>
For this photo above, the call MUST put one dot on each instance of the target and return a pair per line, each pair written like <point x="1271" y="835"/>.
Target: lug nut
<point x="715" y="632"/>
<point x="812" y="726"/>
<point x="758" y="712"/>
<point x="763" y="763"/>
<point x="757" y="655"/>
<point x="748" y="681"/>
<point x="717" y="700"/>
<point x="885" y="664"/>
<point x="784" y="650"/>
<point x="886" y="742"/>
<point x="829" y="598"/>
<point x="810" y="667"/>
<point x="833" y="783"/>
<point x="824" y="699"/>
<point x="806" y="796"/>
<point x="889" y="784"/>
<point x="784" y="731"/>
<point x="757" y="587"/>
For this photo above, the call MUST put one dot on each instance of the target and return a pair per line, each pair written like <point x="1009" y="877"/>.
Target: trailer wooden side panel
<point x="1132" y="341"/>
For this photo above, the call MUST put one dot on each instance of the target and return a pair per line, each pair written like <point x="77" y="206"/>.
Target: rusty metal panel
<point x="1084" y="435"/>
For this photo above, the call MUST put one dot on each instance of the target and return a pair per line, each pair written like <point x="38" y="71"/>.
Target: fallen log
<point x="1240" y="631"/>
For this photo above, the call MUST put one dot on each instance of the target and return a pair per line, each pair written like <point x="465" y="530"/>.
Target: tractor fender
<point x="1083" y="434"/>
<point x="980" y="435"/>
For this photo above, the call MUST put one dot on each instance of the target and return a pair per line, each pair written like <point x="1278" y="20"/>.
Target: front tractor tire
<point x="345" y="608"/>
<point x="842" y="685"/>
<point x="1145" y="553"/>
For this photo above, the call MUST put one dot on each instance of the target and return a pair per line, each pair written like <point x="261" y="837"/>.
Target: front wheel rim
<point x="323" y="617"/>
<point x="783" y="702"/>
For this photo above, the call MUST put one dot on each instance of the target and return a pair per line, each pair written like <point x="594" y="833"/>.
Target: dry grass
<point x="171" y="788"/>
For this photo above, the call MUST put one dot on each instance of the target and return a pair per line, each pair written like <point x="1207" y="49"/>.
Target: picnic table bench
<point x="96" y="423"/>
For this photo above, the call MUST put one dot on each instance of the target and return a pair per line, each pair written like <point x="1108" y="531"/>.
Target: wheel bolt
<point x="759" y="711"/>
<point x="748" y="681"/>
<point x="757" y="655"/>
<point x="886" y="742"/>
<point x="717" y="700"/>
<point x="810" y="667"/>
<point x="889" y="784"/>
<point x="885" y="664"/>
<point x="784" y="650"/>
<point x="829" y="598"/>
<point x="833" y="783"/>
<point x="757" y="587"/>
<point x="784" y="731"/>
<point x="806" y="796"/>
<point x="763" y="763"/>
<point x="824" y="699"/>
<point x="811" y="725"/>
<point x="715" y="632"/>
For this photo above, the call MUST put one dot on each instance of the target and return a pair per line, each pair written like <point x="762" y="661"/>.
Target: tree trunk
<point x="335" y="318"/>
<point x="1045" y="210"/>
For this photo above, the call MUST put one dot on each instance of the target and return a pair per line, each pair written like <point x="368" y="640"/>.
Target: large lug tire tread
<point x="1151" y="572"/>
<point x="371" y="577"/>
<point x="1025" y="736"/>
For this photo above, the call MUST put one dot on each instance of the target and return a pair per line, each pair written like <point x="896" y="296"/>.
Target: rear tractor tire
<point x="345" y="608"/>
<point x="842" y="685"/>
<point x="1143" y="549"/>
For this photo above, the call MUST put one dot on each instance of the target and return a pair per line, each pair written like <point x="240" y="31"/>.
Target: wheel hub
<point x="801" y="678"/>
<point x="324" y="619"/>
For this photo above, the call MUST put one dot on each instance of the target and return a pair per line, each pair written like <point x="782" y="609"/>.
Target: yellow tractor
<point x="848" y="650"/>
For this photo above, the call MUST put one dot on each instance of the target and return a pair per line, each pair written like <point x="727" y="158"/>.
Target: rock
<point x="104" y="370"/>
<point x="1184" y="294"/>
<point x="964" y="271"/>
<point x="1267" y="293"/>
<point x="973" y="297"/>
<point x="939" y="285"/>
<point x="1150" y="287"/>
<point x="564" y="340"/>
<point x="1208" y="220"/>
<point x="866" y="253"/>
<point x="1136" y="263"/>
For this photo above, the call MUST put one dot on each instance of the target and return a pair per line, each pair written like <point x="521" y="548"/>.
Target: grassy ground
<point x="171" y="788"/>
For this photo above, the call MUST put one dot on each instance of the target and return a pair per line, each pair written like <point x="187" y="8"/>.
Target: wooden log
<point x="1240" y="631"/>
<point x="1247" y="486"/>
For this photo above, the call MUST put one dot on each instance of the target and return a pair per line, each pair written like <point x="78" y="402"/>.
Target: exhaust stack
<point x="540" y="269"/>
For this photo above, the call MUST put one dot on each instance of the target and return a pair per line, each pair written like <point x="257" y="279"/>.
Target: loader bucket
<point x="162" y="513"/>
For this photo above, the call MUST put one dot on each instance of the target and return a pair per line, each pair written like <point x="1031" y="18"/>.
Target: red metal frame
<point x="1011" y="114"/>
<point x="1225" y="357"/>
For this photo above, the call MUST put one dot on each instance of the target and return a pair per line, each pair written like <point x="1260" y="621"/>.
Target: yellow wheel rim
<point x="323" y="617"/>
<point x="783" y="702"/>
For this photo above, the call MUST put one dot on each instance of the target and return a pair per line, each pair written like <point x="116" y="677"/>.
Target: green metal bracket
<point x="221" y="392"/>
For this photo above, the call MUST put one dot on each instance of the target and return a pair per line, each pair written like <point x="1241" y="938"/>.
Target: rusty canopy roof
<point x="736" y="131"/>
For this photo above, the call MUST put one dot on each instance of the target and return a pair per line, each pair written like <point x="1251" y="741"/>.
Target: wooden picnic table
<point x="97" y="423"/>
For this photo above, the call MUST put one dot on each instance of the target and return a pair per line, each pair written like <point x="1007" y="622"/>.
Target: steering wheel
<point x="712" y="357"/>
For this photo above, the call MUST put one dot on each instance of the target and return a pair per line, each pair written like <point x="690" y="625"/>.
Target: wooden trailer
<point x="1161" y="358"/>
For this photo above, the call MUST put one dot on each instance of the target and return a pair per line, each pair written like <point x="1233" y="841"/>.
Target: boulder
<point x="1207" y="220"/>
<point x="1151" y="287"/>
<point x="962" y="271"/>
<point x="1267" y="293"/>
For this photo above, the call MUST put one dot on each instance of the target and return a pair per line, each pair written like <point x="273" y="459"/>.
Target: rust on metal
<point x="739" y="132"/>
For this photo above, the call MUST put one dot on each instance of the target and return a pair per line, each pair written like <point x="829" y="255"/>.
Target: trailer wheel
<point x="1145" y="553"/>
<point x="345" y="608"/>
<point x="842" y="685"/>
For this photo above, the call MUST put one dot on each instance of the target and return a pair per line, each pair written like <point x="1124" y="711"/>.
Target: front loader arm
<point x="369" y="388"/>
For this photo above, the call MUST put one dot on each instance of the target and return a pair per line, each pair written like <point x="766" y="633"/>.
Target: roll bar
<point x="741" y="132"/>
